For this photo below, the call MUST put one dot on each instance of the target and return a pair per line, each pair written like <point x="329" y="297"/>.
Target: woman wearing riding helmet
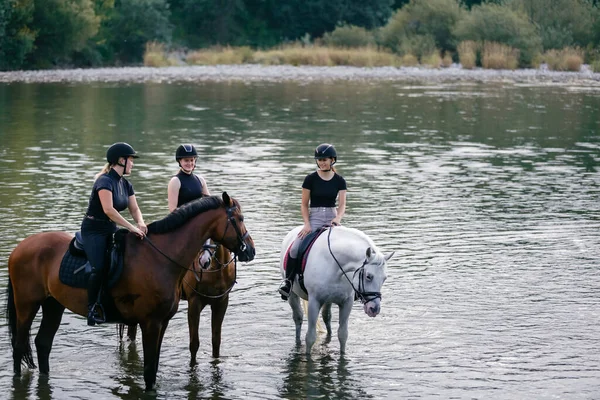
<point x="186" y="186"/>
<point x="319" y="192"/>
<point x="111" y="194"/>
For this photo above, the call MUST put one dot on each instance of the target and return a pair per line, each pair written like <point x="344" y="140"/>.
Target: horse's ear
<point x="390" y="256"/>
<point x="369" y="252"/>
<point x="226" y="199"/>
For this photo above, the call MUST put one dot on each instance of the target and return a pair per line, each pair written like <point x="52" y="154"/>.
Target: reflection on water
<point x="488" y="195"/>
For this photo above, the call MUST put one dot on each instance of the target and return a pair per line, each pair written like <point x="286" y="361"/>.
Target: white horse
<point x="343" y="263"/>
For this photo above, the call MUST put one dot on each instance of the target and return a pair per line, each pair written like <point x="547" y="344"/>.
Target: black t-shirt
<point x="323" y="193"/>
<point x="191" y="188"/>
<point x="121" y="190"/>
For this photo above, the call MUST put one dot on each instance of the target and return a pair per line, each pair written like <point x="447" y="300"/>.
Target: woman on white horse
<point x="319" y="192"/>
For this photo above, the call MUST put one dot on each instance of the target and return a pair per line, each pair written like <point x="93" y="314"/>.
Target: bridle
<point x="359" y="293"/>
<point x="241" y="237"/>
<point x="231" y="220"/>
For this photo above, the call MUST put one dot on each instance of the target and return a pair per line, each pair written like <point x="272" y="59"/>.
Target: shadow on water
<point x="199" y="387"/>
<point x="131" y="373"/>
<point x="320" y="376"/>
<point x="22" y="387"/>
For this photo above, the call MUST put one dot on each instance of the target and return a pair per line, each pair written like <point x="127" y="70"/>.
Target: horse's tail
<point x="11" y="316"/>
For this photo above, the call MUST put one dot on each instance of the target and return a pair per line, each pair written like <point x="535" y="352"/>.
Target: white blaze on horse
<point x="342" y="264"/>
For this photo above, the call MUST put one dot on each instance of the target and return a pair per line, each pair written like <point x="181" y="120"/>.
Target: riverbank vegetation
<point x="496" y="34"/>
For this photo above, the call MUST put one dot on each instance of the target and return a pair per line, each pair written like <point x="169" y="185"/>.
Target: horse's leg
<point x="20" y="317"/>
<point x="132" y="332"/>
<point x="218" y="315"/>
<point x="151" y="335"/>
<point x="297" y="314"/>
<point x="52" y="312"/>
<point x="195" y="307"/>
<point x="163" y="329"/>
<point x="345" y="309"/>
<point x="326" y="313"/>
<point x="313" y="314"/>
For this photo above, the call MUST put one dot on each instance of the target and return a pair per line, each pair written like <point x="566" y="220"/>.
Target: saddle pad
<point x="305" y="247"/>
<point x="71" y="263"/>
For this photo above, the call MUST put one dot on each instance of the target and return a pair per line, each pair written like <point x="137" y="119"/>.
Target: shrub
<point x="349" y="36"/>
<point x="494" y="23"/>
<point x="423" y="18"/>
<point x="433" y="60"/>
<point x="447" y="60"/>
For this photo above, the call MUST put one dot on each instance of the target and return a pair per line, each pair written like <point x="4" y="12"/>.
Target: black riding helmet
<point x="117" y="150"/>
<point x="185" y="150"/>
<point x="326" y="150"/>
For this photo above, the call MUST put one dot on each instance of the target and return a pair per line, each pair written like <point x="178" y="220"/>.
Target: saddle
<point x="75" y="267"/>
<point x="303" y="251"/>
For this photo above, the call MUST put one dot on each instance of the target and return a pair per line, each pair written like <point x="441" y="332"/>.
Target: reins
<point x="364" y="297"/>
<point x="202" y="271"/>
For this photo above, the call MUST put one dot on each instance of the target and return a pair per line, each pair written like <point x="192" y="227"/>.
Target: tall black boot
<point x="290" y="273"/>
<point x="94" y="283"/>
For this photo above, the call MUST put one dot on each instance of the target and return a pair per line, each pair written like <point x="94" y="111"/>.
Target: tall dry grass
<point x="467" y="53"/>
<point x="220" y="55"/>
<point x="499" y="56"/>
<point x="155" y="55"/>
<point x="326" y="56"/>
<point x="567" y="59"/>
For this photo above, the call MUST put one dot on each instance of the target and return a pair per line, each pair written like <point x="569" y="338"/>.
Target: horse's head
<point x="369" y="279"/>
<point x="234" y="234"/>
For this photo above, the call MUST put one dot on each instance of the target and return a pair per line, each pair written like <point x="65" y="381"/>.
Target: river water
<point x="488" y="194"/>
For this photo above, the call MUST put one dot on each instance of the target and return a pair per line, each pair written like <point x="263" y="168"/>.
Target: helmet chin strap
<point x="124" y="166"/>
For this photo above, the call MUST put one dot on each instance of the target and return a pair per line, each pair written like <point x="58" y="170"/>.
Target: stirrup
<point x="285" y="289"/>
<point x="94" y="317"/>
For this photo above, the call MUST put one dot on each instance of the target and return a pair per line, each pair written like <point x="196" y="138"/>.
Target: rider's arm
<point x="106" y="200"/>
<point x="205" y="191"/>
<point x="173" y="193"/>
<point x="341" y="209"/>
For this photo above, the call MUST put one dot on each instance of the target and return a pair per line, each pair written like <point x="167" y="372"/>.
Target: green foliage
<point x="131" y="25"/>
<point x="494" y="23"/>
<point x="294" y="18"/>
<point x="560" y="23"/>
<point x="64" y="27"/>
<point x="349" y="36"/>
<point x="16" y="34"/>
<point x="421" y="21"/>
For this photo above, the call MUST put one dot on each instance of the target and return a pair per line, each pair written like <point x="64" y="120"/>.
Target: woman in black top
<point x="187" y="186"/>
<point x="111" y="194"/>
<point x="319" y="192"/>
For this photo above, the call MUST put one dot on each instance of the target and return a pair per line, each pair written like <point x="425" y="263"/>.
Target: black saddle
<point x="75" y="267"/>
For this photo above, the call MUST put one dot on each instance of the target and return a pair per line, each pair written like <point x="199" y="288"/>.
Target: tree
<point x="131" y="25"/>
<point x="16" y="33"/>
<point x="64" y="26"/>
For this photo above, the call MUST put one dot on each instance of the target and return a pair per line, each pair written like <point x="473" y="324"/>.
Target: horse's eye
<point x="369" y="277"/>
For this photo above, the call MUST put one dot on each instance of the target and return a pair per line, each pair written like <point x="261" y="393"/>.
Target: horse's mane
<point x="181" y="215"/>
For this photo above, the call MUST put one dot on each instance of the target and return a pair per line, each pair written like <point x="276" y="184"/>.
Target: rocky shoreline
<point x="258" y="73"/>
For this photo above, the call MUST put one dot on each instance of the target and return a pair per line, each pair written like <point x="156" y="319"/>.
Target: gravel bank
<point x="257" y="73"/>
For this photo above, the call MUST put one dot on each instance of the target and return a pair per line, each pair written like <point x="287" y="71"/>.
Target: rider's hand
<point x="142" y="227"/>
<point x="336" y="222"/>
<point x="138" y="232"/>
<point x="306" y="229"/>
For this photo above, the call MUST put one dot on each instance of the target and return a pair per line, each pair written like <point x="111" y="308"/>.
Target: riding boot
<point x="290" y="273"/>
<point x="94" y="283"/>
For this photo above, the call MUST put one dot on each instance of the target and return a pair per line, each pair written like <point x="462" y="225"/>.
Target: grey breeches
<point x="318" y="217"/>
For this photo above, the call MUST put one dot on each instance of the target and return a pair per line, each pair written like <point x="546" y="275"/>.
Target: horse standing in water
<point x="342" y="264"/>
<point x="202" y="287"/>
<point x="147" y="293"/>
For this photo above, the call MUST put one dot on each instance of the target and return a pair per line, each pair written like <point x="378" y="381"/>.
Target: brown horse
<point x="204" y="287"/>
<point x="147" y="293"/>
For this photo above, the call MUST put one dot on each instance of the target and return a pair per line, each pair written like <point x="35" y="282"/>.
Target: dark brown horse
<point x="204" y="287"/>
<point x="147" y="293"/>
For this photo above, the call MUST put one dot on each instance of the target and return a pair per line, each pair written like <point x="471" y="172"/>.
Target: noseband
<point x="231" y="220"/>
<point x="359" y="293"/>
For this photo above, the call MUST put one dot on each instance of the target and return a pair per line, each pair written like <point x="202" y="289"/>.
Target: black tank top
<point x="191" y="188"/>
